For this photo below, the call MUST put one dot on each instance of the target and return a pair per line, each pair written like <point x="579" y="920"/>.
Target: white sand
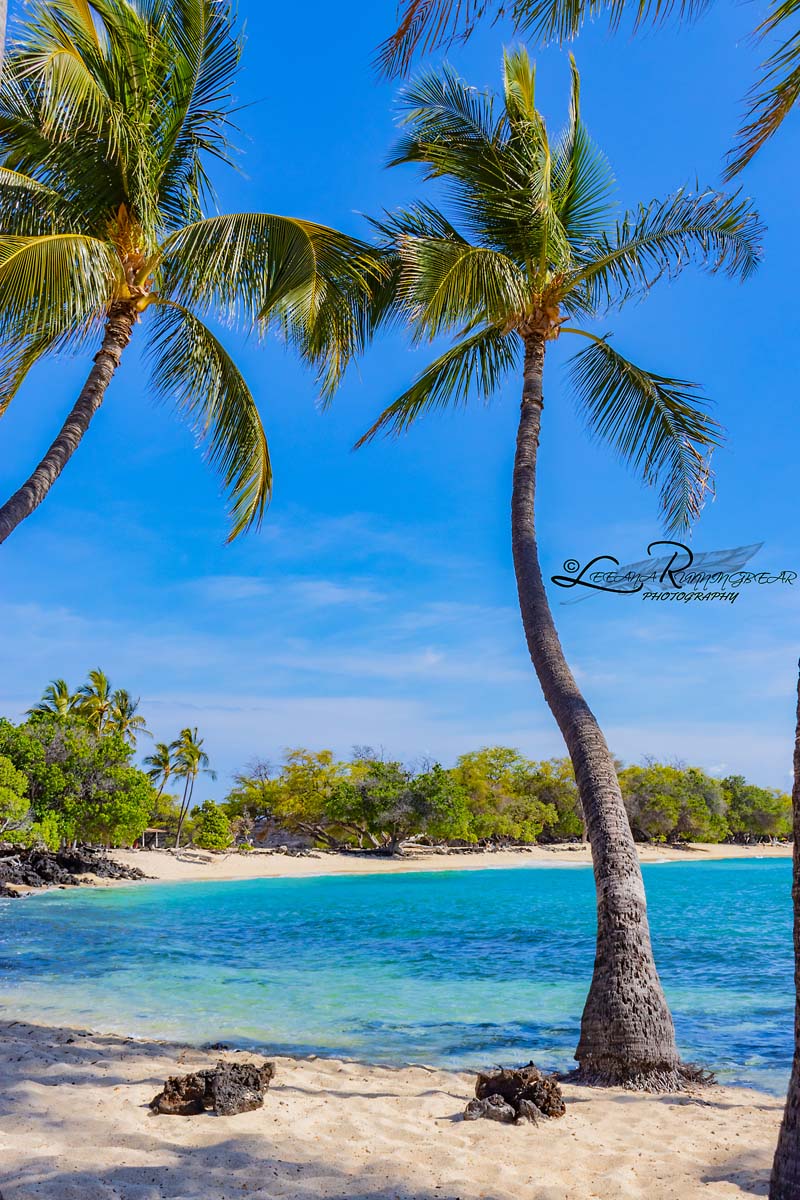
<point x="193" y="865"/>
<point x="74" y="1126"/>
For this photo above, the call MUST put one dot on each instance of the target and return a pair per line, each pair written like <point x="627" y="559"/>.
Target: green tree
<point x="159" y="765"/>
<point x="756" y="812"/>
<point x="212" y="829"/>
<point x="14" y="802"/>
<point x="428" y="24"/>
<point x="94" y="700"/>
<point x="385" y="803"/>
<point x="57" y="700"/>
<point x="502" y="796"/>
<point x="303" y="790"/>
<point x="539" y="250"/>
<point x="78" y="782"/>
<point x="251" y="798"/>
<point x="111" y="114"/>
<point x="189" y="761"/>
<point x="124" y="717"/>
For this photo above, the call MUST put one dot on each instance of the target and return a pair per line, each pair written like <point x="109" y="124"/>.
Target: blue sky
<point x="377" y="605"/>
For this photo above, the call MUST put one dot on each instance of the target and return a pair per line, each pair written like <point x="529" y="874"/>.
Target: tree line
<point x="67" y="773"/>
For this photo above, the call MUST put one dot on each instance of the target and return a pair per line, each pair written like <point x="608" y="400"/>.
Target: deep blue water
<point x="458" y="968"/>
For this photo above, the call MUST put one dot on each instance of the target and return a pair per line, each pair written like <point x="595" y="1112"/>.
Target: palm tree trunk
<point x="785" y="1181"/>
<point x="627" y="1035"/>
<point x="182" y="813"/>
<point x="119" y="327"/>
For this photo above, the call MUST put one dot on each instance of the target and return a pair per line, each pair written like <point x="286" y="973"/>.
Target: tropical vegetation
<point x="425" y="25"/>
<point x="112" y="115"/>
<point x="492" y="796"/>
<point x="528" y="251"/>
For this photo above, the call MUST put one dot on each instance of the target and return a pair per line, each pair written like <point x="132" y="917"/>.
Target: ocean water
<point x="454" y="968"/>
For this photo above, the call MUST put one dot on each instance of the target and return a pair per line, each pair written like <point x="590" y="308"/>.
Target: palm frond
<point x="190" y="367"/>
<point x="583" y="182"/>
<point x="54" y="291"/>
<point x="657" y="425"/>
<point x="712" y="230"/>
<point x="445" y="283"/>
<point x="477" y="364"/>
<point x="28" y="207"/>
<point x="775" y="94"/>
<point x="426" y="25"/>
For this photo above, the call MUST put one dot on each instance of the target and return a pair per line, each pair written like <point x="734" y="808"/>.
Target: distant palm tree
<point x="159" y="765"/>
<point x="111" y="112"/>
<point x="57" y="700"/>
<point x="93" y="701"/>
<point x="538" y="250"/>
<point x="426" y="25"/>
<point x="785" y="1181"/>
<point x="190" y="759"/>
<point x="123" y="717"/>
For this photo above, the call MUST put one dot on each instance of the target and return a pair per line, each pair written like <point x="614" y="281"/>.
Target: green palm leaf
<point x="191" y="368"/>
<point x="714" y="231"/>
<point x="452" y="283"/>
<point x="479" y="363"/>
<point x="657" y="425"/>
<point x="54" y="291"/>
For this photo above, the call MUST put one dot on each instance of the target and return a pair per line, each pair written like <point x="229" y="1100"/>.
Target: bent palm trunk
<point x="119" y="327"/>
<point x="627" y="1035"/>
<point x="785" y="1181"/>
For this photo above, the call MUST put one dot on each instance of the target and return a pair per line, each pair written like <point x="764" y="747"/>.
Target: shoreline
<point x="76" y="1126"/>
<point x="193" y="866"/>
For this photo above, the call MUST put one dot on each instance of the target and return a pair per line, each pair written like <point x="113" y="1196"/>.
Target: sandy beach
<point x="74" y="1125"/>
<point x="194" y="865"/>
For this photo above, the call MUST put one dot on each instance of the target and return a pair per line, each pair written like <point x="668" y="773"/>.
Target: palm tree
<point x="539" y="250"/>
<point x="159" y="765"/>
<point x="785" y="1181"/>
<point x="425" y="25"/>
<point x="94" y="701"/>
<point x="123" y="717"/>
<point x="110" y="113"/>
<point x="57" y="700"/>
<point x="190" y="760"/>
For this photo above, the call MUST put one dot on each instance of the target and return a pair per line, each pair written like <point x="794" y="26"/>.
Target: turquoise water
<point x="461" y="968"/>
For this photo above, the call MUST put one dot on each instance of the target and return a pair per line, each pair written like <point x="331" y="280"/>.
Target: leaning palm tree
<point x="57" y="700"/>
<point x="111" y="112"/>
<point x="190" y="759"/>
<point x="124" y="718"/>
<point x="538" y="251"/>
<point x="429" y="24"/>
<point x="785" y="1181"/>
<point x="94" y="701"/>
<point x="159" y="766"/>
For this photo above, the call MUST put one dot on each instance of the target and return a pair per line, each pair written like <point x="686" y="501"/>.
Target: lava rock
<point x="182" y="1095"/>
<point x="492" y="1108"/>
<point x="228" y="1089"/>
<point x="527" y="1092"/>
<point x="44" y="868"/>
<point x="239" y="1087"/>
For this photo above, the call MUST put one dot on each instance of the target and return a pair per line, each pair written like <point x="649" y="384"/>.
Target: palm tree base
<point x="658" y="1078"/>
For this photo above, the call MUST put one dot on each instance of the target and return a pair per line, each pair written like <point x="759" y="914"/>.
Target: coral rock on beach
<point x="516" y="1096"/>
<point x="227" y="1089"/>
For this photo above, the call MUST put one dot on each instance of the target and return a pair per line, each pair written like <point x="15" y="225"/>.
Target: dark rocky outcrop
<point x="226" y="1089"/>
<point x="32" y="867"/>
<point x="516" y="1096"/>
